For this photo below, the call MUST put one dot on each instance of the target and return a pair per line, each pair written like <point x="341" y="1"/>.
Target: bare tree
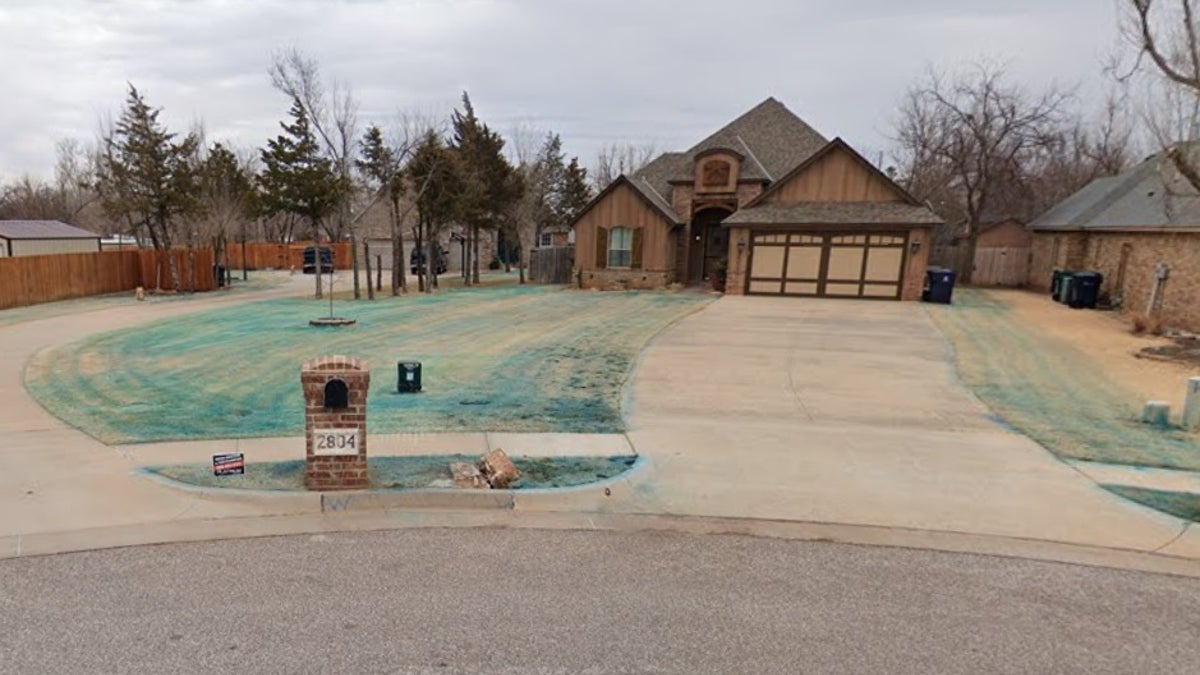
<point x="1167" y="34"/>
<point x="978" y="133"/>
<point x="619" y="159"/>
<point x="334" y="118"/>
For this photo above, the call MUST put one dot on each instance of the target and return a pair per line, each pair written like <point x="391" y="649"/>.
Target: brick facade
<point x="1132" y="287"/>
<point x="342" y="471"/>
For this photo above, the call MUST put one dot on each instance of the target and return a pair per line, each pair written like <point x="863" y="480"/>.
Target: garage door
<point x="868" y="265"/>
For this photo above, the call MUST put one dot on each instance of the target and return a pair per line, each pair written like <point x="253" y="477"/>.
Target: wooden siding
<point x="624" y="207"/>
<point x="31" y="280"/>
<point x="836" y="177"/>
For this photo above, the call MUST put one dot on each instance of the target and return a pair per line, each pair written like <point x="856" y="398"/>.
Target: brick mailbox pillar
<point x="335" y="422"/>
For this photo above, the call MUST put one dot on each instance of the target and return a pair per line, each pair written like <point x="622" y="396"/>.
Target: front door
<point x="709" y="245"/>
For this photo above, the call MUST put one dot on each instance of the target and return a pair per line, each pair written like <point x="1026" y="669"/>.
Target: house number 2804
<point x="335" y="442"/>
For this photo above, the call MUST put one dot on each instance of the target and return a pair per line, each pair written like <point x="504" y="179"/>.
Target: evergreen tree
<point x="437" y="170"/>
<point x="381" y="164"/>
<point x="573" y="193"/>
<point x="226" y="188"/>
<point x="147" y="178"/>
<point x="490" y="184"/>
<point x="296" y="178"/>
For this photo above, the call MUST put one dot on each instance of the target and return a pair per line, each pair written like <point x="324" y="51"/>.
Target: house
<point x="44" y="237"/>
<point x="765" y="202"/>
<point x="1140" y="229"/>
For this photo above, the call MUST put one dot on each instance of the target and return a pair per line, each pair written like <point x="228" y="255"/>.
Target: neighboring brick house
<point x="1132" y="228"/>
<point x="766" y="202"/>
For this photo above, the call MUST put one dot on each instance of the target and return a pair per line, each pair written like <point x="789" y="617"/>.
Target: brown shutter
<point x="601" y="248"/>
<point x="635" y="256"/>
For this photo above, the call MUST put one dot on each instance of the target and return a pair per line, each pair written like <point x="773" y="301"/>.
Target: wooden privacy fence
<point x="1001" y="266"/>
<point x="551" y="265"/>
<point x="45" y="278"/>
<point x="261" y="256"/>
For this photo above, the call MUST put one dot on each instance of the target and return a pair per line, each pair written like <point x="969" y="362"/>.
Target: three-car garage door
<point x="866" y="265"/>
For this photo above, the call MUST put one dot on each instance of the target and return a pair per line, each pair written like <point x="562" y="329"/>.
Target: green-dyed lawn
<point x="536" y="359"/>
<point x="410" y="472"/>
<point x="1179" y="504"/>
<point x="1051" y="391"/>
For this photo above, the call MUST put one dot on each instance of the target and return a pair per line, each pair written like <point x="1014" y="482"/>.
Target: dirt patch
<point x="1183" y="351"/>
<point x="1066" y="379"/>
<point x="1106" y="338"/>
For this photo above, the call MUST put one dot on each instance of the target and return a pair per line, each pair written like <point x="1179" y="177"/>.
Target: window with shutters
<point x="620" y="247"/>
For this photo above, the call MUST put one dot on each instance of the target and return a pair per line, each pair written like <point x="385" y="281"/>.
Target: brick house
<point x="766" y="202"/>
<point x="1140" y="229"/>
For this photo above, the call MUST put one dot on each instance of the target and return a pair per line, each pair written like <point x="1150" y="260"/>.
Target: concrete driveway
<point x="850" y="412"/>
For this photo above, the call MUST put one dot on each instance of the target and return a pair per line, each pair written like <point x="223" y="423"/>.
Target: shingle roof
<point x="42" y="229"/>
<point x="1151" y="195"/>
<point x="835" y="213"/>
<point x="771" y="137"/>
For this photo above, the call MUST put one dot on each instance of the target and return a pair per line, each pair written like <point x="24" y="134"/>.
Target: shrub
<point x="1146" y="323"/>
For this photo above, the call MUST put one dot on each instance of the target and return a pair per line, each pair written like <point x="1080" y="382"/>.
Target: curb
<point x="588" y="497"/>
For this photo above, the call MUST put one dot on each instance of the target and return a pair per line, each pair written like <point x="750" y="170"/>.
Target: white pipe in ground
<point x="1191" y="405"/>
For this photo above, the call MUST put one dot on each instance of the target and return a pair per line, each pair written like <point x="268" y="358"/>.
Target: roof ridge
<point x="737" y="120"/>
<point x="1124" y="184"/>
<point x="754" y="157"/>
<point x="651" y="187"/>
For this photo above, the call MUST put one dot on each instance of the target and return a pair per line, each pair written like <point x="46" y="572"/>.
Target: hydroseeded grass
<point x="523" y="359"/>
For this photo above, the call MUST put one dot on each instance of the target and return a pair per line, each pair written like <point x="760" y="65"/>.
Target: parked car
<point x="416" y="261"/>
<point x="310" y="260"/>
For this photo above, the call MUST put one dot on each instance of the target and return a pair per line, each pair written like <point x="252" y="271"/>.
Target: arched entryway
<point x="709" y="247"/>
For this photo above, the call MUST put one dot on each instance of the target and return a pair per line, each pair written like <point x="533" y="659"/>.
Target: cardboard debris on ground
<point x="498" y="469"/>
<point x="468" y="476"/>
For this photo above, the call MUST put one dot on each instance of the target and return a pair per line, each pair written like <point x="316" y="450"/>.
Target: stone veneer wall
<point x="335" y="472"/>
<point x="622" y="279"/>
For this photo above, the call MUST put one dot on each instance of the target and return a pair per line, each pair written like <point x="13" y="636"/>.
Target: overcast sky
<point x="668" y="72"/>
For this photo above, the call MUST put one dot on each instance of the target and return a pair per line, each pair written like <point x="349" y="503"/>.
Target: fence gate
<point x="1001" y="266"/>
<point x="551" y="265"/>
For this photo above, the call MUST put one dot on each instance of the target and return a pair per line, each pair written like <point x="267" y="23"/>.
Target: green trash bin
<point x="1060" y="283"/>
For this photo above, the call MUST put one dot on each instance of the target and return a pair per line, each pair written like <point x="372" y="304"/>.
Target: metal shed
<point x="44" y="237"/>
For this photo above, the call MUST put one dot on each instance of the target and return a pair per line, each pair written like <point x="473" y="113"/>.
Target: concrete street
<point x="469" y="601"/>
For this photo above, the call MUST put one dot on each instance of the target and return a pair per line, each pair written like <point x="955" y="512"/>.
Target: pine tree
<point x="296" y="178"/>
<point x="573" y="193"/>
<point x="381" y="163"/>
<point x="436" y="169"/>
<point x="490" y="183"/>
<point x="147" y="178"/>
<point x="226" y="189"/>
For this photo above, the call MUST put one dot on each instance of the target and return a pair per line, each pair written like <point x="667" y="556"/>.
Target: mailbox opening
<point x="337" y="394"/>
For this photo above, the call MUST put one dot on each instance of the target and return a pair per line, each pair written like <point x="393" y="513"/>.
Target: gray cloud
<point x="667" y="72"/>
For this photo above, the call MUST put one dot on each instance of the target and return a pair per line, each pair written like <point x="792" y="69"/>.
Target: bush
<point x="1146" y="323"/>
